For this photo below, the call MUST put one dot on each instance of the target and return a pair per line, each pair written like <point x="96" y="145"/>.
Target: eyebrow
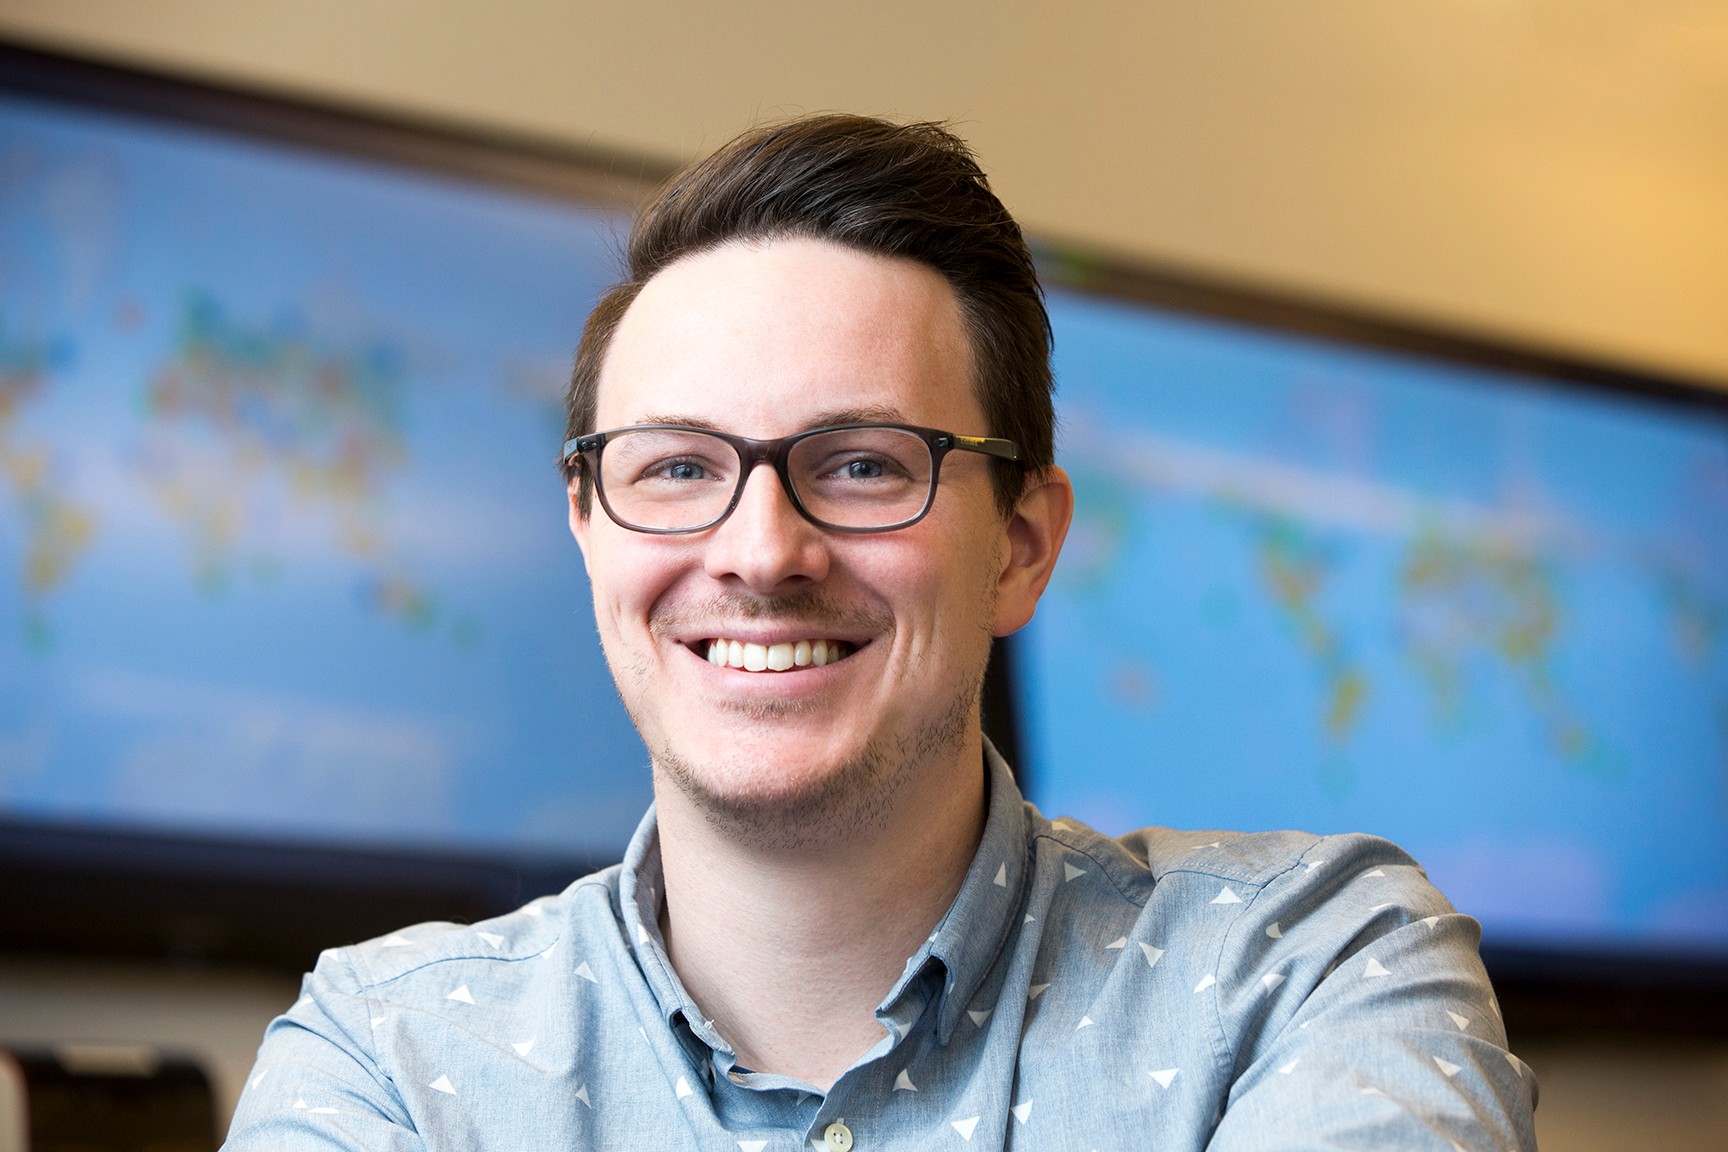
<point x="869" y="414"/>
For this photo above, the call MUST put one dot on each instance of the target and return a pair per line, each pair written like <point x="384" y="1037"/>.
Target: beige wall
<point x="1555" y="171"/>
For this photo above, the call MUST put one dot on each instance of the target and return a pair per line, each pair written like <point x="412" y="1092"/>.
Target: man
<point x="811" y="475"/>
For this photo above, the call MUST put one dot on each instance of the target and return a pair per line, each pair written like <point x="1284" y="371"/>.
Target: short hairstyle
<point x="911" y="191"/>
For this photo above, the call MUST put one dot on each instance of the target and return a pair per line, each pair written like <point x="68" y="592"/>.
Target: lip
<point x="778" y="634"/>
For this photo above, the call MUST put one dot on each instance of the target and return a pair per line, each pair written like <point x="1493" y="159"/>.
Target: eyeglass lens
<point x="848" y="477"/>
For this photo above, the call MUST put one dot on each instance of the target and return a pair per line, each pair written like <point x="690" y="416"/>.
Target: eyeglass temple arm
<point x="989" y="445"/>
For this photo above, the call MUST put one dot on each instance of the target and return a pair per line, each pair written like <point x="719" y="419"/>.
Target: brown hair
<point x="911" y="191"/>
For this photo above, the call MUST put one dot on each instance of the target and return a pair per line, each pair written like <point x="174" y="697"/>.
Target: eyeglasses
<point x="858" y="478"/>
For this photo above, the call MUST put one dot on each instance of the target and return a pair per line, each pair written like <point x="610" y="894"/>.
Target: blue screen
<point x="283" y="541"/>
<point x="1320" y="586"/>
<point x="283" y="554"/>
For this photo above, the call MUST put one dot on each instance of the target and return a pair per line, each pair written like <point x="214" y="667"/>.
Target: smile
<point x="724" y="653"/>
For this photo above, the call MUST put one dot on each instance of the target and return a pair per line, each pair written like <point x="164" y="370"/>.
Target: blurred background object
<point x="104" y="1098"/>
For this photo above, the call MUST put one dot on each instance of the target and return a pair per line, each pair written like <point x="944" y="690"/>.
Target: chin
<point x="784" y="784"/>
<point x="754" y="800"/>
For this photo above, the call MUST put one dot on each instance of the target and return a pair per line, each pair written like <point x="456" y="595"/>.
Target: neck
<point x="790" y="951"/>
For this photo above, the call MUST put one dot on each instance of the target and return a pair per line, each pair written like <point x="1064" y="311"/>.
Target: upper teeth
<point x="774" y="657"/>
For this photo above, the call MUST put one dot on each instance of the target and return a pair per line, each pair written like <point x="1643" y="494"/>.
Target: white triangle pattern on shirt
<point x="966" y="1128"/>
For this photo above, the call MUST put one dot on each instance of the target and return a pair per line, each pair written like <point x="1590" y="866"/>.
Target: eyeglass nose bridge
<point x="777" y="455"/>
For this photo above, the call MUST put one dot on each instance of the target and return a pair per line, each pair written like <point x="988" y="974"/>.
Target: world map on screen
<point x="1321" y="587"/>
<point x="284" y="554"/>
<point x="281" y="530"/>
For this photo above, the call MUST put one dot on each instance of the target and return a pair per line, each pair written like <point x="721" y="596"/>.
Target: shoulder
<point x="1253" y="903"/>
<point x="1248" y="863"/>
<point x="582" y="916"/>
<point x="389" y="1031"/>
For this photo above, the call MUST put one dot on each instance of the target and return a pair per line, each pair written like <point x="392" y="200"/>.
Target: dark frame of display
<point x="276" y="904"/>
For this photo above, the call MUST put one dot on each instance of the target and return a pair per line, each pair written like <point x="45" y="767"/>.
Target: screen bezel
<point x="276" y="904"/>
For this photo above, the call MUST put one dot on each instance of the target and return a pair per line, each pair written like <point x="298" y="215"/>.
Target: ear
<point x="578" y="522"/>
<point x="1035" y="534"/>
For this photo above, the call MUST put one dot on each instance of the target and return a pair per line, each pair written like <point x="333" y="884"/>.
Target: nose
<point x="766" y="545"/>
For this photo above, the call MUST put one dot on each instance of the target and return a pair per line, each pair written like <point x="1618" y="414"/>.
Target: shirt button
<point x="838" y="1137"/>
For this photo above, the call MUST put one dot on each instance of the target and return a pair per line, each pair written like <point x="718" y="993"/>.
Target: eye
<point x="680" y="470"/>
<point x="862" y="470"/>
<point x="861" y="467"/>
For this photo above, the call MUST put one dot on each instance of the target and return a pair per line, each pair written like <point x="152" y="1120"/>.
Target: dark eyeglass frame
<point x="584" y="451"/>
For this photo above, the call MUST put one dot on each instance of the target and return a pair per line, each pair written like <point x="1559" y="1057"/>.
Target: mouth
<point x="785" y="656"/>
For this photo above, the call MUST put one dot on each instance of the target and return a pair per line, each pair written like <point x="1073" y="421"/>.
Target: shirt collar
<point x="969" y="937"/>
<point x="965" y="942"/>
<point x="640" y="885"/>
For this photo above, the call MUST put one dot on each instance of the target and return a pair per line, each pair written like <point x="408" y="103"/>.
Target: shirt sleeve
<point x="1362" y="1017"/>
<point x="317" y="1086"/>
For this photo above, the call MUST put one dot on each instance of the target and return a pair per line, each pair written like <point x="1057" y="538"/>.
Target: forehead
<point x="768" y="338"/>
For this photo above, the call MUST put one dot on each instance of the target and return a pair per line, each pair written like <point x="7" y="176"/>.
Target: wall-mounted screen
<point x="1321" y="585"/>
<point x="282" y="535"/>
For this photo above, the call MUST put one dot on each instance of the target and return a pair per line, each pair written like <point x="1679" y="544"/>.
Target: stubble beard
<point x="852" y="799"/>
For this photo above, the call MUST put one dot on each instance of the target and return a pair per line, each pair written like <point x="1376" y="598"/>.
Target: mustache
<point x="809" y="610"/>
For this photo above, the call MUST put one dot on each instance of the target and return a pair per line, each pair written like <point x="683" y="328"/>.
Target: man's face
<point x="765" y="340"/>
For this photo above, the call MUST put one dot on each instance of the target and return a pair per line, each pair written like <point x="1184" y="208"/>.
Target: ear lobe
<point x="578" y="522"/>
<point x="1035" y="534"/>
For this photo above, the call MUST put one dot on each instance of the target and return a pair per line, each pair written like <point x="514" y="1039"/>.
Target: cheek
<point x="946" y="581"/>
<point x="626" y="579"/>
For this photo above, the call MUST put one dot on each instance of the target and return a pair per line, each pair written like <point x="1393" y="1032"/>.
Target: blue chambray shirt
<point x="1173" y="990"/>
